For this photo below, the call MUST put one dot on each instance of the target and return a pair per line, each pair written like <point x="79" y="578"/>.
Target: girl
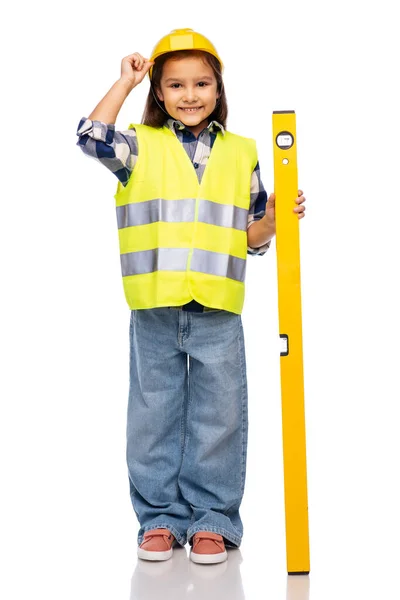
<point x="190" y="207"/>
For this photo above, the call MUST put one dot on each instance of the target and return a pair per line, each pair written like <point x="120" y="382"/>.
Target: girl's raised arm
<point x="133" y="70"/>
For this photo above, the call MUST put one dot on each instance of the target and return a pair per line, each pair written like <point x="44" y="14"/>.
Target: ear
<point x="159" y="94"/>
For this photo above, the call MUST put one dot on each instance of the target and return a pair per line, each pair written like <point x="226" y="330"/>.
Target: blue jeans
<point x="187" y="422"/>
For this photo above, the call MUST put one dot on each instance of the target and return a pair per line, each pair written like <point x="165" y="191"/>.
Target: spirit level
<point x="291" y="356"/>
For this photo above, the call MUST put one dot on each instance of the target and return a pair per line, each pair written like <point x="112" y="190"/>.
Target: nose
<point x="190" y="95"/>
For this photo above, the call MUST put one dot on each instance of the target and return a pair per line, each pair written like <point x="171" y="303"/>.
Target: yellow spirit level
<point x="291" y="357"/>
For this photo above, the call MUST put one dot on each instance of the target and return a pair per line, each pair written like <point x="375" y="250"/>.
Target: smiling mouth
<point x="190" y="110"/>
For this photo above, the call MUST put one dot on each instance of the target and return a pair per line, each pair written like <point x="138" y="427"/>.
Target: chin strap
<point x="155" y="98"/>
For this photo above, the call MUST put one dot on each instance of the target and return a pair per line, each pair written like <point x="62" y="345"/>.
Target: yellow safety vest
<point x="180" y="239"/>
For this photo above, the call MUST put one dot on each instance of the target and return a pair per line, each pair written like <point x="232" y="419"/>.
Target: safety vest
<point x="180" y="239"/>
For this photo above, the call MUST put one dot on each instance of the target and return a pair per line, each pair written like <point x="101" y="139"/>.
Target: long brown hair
<point x="155" y="116"/>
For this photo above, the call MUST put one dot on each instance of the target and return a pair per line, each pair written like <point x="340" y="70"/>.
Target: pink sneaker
<point x="157" y="545"/>
<point x="208" y="548"/>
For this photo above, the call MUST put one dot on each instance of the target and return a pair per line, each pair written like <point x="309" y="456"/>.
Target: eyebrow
<point x="205" y="78"/>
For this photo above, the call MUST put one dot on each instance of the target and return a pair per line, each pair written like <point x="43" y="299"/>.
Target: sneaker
<point x="157" y="545"/>
<point x="208" y="548"/>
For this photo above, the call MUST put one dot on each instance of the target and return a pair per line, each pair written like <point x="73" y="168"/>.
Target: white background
<point x="67" y="527"/>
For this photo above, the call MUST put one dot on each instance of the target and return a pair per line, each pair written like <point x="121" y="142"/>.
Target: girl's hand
<point x="134" y="68"/>
<point x="270" y="208"/>
<point x="300" y="209"/>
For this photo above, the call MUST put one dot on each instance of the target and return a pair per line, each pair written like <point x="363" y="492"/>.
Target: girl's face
<point x="189" y="91"/>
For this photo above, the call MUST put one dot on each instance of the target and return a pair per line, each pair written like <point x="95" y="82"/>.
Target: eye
<point x="202" y="83"/>
<point x="175" y="85"/>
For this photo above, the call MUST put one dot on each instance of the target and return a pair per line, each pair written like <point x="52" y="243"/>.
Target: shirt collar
<point x="213" y="127"/>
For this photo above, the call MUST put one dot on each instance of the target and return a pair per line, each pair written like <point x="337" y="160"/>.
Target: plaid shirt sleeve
<point x="258" y="201"/>
<point x="117" y="150"/>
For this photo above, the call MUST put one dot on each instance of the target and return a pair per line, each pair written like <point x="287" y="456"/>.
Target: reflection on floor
<point x="179" y="578"/>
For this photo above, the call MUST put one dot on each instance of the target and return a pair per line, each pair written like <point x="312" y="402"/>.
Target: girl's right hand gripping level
<point x="134" y="68"/>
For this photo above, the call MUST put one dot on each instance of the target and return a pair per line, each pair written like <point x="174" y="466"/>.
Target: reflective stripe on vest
<point x="179" y="239"/>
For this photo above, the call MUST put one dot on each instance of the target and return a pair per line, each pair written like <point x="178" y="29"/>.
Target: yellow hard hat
<point x="183" y="39"/>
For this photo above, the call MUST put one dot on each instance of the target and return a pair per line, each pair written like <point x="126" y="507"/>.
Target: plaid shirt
<point x="118" y="151"/>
